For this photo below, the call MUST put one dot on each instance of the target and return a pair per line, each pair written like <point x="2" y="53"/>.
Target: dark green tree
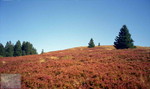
<point x="28" y="49"/>
<point x="91" y="43"/>
<point x="124" y="40"/>
<point x="9" y="49"/>
<point x="33" y="51"/>
<point x="17" y="49"/>
<point x="98" y="44"/>
<point x="23" y="48"/>
<point x="2" y="50"/>
<point x="23" y="53"/>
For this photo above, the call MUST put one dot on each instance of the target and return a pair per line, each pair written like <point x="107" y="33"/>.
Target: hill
<point x="82" y="68"/>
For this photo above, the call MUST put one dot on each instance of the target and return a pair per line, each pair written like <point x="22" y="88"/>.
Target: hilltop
<point x="82" y="68"/>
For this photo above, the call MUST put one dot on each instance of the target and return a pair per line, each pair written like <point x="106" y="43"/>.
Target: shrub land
<point x="82" y="68"/>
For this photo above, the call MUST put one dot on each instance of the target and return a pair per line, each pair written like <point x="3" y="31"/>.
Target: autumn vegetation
<point x="101" y="67"/>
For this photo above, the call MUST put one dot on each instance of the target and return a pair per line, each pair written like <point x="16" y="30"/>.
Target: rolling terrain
<point x="101" y="67"/>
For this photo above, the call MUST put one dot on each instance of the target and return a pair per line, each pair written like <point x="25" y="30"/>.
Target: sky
<point x="60" y="24"/>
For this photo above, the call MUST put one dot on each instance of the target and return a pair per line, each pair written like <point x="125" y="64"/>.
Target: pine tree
<point x="33" y="51"/>
<point x="124" y="40"/>
<point x="2" y="50"/>
<point x="23" y="48"/>
<point x="23" y="53"/>
<point x="91" y="43"/>
<point x="98" y="44"/>
<point x="17" y="49"/>
<point x="28" y="49"/>
<point x="9" y="49"/>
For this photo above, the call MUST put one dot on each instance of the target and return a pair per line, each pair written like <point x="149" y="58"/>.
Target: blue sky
<point x="60" y="24"/>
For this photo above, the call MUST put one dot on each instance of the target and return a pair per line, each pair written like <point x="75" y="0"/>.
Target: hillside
<point x="82" y="68"/>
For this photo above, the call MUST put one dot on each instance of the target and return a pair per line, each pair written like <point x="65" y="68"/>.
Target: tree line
<point x="122" y="41"/>
<point x="10" y="50"/>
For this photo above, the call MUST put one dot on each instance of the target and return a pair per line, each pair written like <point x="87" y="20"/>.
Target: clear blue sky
<point x="60" y="24"/>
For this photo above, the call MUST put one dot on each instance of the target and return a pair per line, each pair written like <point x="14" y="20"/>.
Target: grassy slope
<point x="81" y="67"/>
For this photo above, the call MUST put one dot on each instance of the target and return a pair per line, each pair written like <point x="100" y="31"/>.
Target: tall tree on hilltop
<point x="17" y="49"/>
<point x="9" y="49"/>
<point x="124" y="40"/>
<point x="2" y="50"/>
<point x="91" y="43"/>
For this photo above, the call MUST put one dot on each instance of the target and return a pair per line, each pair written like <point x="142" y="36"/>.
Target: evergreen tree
<point x="98" y="44"/>
<point x="124" y="40"/>
<point x="33" y="51"/>
<point x="23" y="48"/>
<point x="9" y="49"/>
<point x="23" y="53"/>
<point x="28" y="49"/>
<point x="91" y="43"/>
<point x="17" y="49"/>
<point x="2" y="50"/>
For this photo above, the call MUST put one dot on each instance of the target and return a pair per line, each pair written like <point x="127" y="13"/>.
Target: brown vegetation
<point x="82" y="68"/>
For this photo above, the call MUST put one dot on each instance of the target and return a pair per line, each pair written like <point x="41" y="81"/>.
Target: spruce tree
<point x="17" y="49"/>
<point x="2" y="50"/>
<point x="9" y="49"/>
<point x="91" y="43"/>
<point x="33" y="51"/>
<point x="98" y="44"/>
<point x="23" y="53"/>
<point x="124" y="40"/>
<point x="28" y="49"/>
<point x="23" y="48"/>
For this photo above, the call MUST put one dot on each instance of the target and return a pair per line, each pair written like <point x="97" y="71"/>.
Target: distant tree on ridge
<point x="91" y="43"/>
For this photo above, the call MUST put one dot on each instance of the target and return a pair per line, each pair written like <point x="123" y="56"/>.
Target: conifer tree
<point x="28" y="49"/>
<point x="98" y="44"/>
<point x="17" y="49"/>
<point x="23" y="48"/>
<point x="124" y="40"/>
<point x="23" y="53"/>
<point x="91" y="43"/>
<point x="9" y="49"/>
<point x="33" y="51"/>
<point x="2" y="50"/>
